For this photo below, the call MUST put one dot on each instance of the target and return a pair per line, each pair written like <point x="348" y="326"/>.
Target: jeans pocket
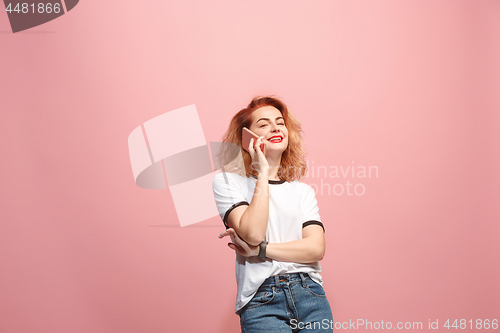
<point x="315" y="289"/>
<point x="262" y="297"/>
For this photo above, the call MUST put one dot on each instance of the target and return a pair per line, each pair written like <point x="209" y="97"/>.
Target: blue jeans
<point x="287" y="303"/>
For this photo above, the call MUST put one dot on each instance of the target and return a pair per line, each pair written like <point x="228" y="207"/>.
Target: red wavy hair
<point x="293" y="165"/>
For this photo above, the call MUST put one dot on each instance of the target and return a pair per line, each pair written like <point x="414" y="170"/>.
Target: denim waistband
<point x="286" y="278"/>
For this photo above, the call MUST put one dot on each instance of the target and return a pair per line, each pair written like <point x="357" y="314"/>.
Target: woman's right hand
<point x="259" y="161"/>
<point x="239" y="245"/>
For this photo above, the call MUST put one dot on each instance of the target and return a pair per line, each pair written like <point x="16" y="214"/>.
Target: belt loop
<point x="303" y="278"/>
<point x="276" y="280"/>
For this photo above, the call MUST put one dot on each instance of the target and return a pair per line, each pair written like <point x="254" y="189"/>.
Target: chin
<point x="276" y="149"/>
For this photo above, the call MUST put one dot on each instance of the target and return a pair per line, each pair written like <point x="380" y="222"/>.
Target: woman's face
<point x="268" y="121"/>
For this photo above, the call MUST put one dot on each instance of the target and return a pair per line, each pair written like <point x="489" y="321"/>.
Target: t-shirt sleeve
<point x="228" y="194"/>
<point x="310" y="209"/>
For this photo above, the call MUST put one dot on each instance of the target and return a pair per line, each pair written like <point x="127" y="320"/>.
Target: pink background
<point x="408" y="86"/>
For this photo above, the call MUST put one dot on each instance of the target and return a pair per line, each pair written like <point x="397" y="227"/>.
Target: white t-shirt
<point x="292" y="206"/>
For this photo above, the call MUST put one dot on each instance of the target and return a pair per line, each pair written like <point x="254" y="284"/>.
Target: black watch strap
<point x="262" y="251"/>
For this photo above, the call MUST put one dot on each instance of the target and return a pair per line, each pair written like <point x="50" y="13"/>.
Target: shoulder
<point x="305" y="191"/>
<point x="301" y="186"/>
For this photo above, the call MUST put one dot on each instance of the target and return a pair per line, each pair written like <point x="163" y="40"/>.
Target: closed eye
<point x="281" y="124"/>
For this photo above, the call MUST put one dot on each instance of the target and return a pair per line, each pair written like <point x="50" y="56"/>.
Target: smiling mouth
<point x="276" y="139"/>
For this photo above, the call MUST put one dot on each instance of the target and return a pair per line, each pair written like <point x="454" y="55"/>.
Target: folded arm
<point x="309" y="249"/>
<point x="250" y="222"/>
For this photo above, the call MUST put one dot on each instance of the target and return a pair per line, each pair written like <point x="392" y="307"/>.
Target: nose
<point x="274" y="128"/>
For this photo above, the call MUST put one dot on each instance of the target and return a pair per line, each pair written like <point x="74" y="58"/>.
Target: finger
<point x="251" y="149"/>
<point x="237" y="241"/>
<point x="234" y="235"/>
<point x="241" y="244"/>
<point x="259" y="140"/>
<point x="236" y="248"/>
<point x="225" y="233"/>
<point x="231" y="233"/>
<point x="250" y="146"/>
<point x="259" y="143"/>
<point x="235" y="238"/>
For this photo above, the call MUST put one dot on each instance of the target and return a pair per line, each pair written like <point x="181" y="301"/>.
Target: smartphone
<point x="245" y="140"/>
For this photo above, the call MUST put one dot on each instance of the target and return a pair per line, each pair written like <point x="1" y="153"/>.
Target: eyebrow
<point x="269" y="119"/>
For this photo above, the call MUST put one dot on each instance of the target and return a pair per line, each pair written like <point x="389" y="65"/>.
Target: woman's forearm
<point x="253" y="224"/>
<point x="305" y="250"/>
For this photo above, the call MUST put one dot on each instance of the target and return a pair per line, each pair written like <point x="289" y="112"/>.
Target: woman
<point x="274" y="223"/>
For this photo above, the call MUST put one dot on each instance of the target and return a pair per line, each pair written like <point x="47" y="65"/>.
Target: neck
<point x="274" y="166"/>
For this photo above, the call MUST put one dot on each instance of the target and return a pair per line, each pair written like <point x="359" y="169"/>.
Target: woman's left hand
<point x="239" y="245"/>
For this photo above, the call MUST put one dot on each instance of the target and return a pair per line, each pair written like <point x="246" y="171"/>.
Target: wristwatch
<point x="262" y="251"/>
